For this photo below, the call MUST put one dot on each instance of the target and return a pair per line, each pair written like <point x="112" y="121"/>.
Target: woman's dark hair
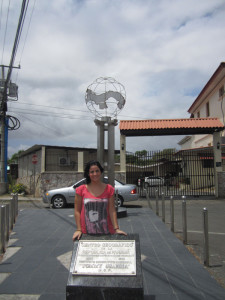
<point x="87" y="168"/>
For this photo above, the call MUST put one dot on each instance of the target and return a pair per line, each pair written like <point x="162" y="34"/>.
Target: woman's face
<point x="95" y="173"/>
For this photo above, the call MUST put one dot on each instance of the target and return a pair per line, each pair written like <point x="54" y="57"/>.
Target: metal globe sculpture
<point x="105" y="97"/>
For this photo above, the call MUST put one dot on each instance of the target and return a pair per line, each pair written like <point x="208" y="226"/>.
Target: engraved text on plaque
<point x="105" y="257"/>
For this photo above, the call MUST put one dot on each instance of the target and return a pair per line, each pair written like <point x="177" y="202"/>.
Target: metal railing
<point x="175" y="173"/>
<point x="8" y="214"/>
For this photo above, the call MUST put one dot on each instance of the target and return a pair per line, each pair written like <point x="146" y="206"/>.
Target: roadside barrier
<point x="206" y="236"/>
<point x="8" y="214"/>
<point x="157" y="201"/>
<point x="171" y="214"/>
<point x="163" y="208"/>
<point x="184" y="221"/>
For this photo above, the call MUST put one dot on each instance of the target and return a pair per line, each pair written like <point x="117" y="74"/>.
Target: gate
<point x="177" y="173"/>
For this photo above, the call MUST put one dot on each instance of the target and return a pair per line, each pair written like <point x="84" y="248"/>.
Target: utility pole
<point x="3" y="118"/>
<point x="8" y="89"/>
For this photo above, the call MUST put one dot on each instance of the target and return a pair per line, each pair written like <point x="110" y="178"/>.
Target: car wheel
<point x="146" y="185"/>
<point x="119" y="201"/>
<point x="58" y="201"/>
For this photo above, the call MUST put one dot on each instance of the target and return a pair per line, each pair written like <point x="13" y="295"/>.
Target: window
<point x="207" y="110"/>
<point x="198" y="114"/>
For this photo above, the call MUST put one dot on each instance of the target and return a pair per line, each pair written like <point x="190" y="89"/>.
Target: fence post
<point x="206" y="236"/>
<point x="171" y="214"/>
<point x="163" y="207"/>
<point x="184" y="220"/>
<point x="157" y="202"/>
<point x="2" y="229"/>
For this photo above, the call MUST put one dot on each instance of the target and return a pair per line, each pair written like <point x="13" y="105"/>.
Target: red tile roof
<point x="170" y="126"/>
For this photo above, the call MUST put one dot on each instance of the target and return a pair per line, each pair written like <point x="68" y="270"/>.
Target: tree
<point x="14" y="157"/>
<point x="141" y="153"/>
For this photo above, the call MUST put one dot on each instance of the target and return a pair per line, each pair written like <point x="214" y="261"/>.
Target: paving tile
<point x="170" y="272"/>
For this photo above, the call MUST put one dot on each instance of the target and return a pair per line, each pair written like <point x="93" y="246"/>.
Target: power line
<point x="56" y="107"/>
<point x="42" y="125"/>
<point x="62" y="108"/>
<point x="6" y="27"/>
<point x="52" y="114"/>
<point x="27" y="30"/>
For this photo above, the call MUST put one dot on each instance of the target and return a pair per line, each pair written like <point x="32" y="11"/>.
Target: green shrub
<point x="17" y="189"/>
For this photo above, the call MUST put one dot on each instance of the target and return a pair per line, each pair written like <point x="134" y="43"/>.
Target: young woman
<point x="95" y="211"/>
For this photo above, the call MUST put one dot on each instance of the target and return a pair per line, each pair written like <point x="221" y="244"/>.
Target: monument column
<point x="105" y="98"/>
<point x="100" y="140"/>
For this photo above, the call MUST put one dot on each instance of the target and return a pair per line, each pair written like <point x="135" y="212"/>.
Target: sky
<point x="163" y="53"/>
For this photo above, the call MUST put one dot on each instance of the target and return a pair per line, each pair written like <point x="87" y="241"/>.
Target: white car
<point x="153" y="181"/>
<point x="59" y="198"/>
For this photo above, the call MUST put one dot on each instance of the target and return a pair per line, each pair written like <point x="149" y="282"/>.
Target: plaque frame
<point x="105" y="258"/>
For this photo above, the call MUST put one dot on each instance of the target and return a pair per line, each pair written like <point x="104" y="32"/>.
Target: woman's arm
<point x="77" y="211"/>
<point x="113" y="216"/>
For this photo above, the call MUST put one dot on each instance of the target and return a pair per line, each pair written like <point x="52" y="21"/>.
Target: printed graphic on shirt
<point x="95" y="211"/>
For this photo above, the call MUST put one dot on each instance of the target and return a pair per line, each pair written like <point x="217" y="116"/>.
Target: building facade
<point x="54" y="167"/>
<point x="210" y="103"/>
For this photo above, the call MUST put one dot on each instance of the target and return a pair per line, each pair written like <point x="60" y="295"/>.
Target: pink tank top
<point x="95" y="218"/>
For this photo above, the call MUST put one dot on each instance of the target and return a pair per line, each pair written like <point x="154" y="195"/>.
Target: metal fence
<point x="188" y="173"/>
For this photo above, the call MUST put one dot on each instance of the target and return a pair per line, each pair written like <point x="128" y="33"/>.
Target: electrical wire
<point x="42" y="125"/>
<point x="78" y="110"/>
<point x="47" y="114"/>
<point x="27" y="31"/>
<point x="17" y="40"/>
<point x="25" y="40"/>
<point x="54" y="107"/>
<point x="13" y="123"/>
<point x="6" y="27"/>
<point x="1" y="17"/>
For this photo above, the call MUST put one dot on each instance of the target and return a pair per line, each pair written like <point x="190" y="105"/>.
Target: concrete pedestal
<point x="107" y="287"/>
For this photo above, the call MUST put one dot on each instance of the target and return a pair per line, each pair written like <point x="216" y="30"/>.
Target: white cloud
<point x="162" y="51"/>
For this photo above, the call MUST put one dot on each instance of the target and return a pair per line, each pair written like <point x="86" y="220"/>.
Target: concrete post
<point x="2" y="228"/>
<point x="7" y="222"/>
<point x="80" y="162"/>
<point x="42" y="159"/>
<point x="111" y="151"/>
<point x="100" y="140"/>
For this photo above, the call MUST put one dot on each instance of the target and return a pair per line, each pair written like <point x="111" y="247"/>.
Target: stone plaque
<point x="105" y="257"/>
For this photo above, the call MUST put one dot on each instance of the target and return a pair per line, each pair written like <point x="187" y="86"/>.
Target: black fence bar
<point x="176" y="173"/>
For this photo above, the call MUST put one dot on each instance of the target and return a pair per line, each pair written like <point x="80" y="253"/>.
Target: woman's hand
<point x="77" y="235"/>
<point x="118" y="231"/>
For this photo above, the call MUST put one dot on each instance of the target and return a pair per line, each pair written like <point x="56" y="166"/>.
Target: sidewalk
<point x="7" y="197"/>
<point x="36" y="263"/>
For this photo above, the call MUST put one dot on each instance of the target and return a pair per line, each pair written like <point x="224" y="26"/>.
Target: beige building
<point x="54" y="166"/>
<point x="210" y="103"/>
